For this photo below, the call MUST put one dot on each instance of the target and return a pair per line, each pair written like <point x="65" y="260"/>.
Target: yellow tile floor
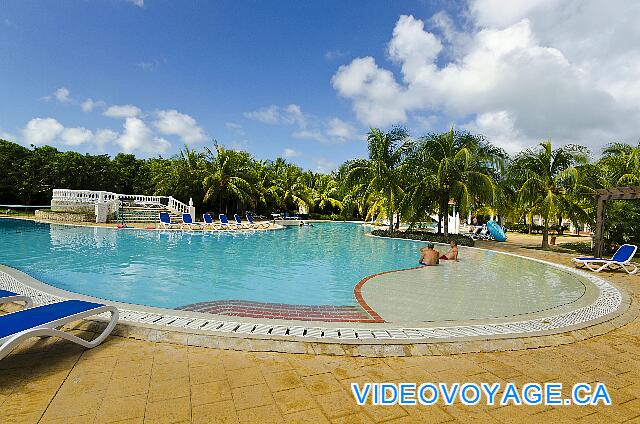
<point x="126" y="380"/>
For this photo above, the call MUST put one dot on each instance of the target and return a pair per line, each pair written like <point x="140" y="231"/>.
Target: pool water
<point x="317" y="265"/>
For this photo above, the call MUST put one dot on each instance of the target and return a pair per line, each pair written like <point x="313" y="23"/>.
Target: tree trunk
<point x="445" y="214"/>
<point x="530" y="222"/>
<point x="545" y="234"/>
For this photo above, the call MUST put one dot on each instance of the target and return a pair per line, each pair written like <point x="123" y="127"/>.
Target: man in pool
<point x="429" y="256"/>
<point x="452" y="254"/>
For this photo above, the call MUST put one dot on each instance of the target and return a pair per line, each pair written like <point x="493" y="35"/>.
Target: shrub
<point x="426" y="236"/>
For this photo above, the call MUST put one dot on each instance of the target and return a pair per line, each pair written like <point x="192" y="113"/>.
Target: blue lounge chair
<point x="621" y="259"/>
<point x="186" y="220"/>
<point x="239" y="222"/>
<point x="44" y="321"/>
<point x="166" y="222"/>
<point x="8" y="297"/>
<point x="224" y="222"/>
<point x="208" y="222"/>
<point x="257" y="225"/>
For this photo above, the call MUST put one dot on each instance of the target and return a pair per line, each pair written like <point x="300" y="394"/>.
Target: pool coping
<point x="612" y="309"/>
<point x="378" y="340"/>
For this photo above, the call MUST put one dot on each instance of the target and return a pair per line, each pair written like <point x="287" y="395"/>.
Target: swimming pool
<point x="317" y="265"/>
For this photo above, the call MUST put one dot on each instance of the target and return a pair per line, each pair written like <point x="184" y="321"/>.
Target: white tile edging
<point x="609" y="301"/>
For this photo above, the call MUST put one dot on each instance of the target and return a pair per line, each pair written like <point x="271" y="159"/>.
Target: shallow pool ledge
<point x="612" y="308"/>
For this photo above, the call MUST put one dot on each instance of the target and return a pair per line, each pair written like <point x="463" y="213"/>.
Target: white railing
<point x="177" y="206"/>
<point x="95" y="197"/>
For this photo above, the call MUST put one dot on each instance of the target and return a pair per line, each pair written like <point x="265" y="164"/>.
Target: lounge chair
<point x="621" y="259"/>
<point x="241" y="224"/>
<point x="186" y="220"/>
<point x="166" y="222"/>
<point x="44" y="321"/>
<point x="257" y="224"/>
<point x="8" y="297"/>
<point x="208" y="222"/>
<point x="224" y="222"/>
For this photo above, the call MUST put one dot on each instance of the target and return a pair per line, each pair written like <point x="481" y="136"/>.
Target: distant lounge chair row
<point x="45" y="321"/>
<point x="209" y="224"/>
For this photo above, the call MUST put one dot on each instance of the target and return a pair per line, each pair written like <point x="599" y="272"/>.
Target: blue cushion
<point x="5" y="293"/>
<point x="624" y="253"/>
<point x="29" y="318"/>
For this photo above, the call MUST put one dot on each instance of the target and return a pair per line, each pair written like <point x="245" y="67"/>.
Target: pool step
<point x="242" y="308"/>
<point x="133" y="214"/>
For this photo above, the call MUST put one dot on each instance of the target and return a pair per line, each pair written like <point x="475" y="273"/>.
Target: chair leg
<point x="14" y="341"/>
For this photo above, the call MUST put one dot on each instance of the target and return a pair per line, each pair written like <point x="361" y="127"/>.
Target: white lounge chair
<point x="621" y="259"/>
<point x="44" y="321"/>
<point x="8" y="297"/>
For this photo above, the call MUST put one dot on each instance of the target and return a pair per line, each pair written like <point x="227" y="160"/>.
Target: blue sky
<point x="306" y="79"/>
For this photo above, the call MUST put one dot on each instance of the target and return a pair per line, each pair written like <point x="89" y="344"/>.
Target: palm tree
<point x="454" y="166"/>
<point x="622" y="162"/>
<point x="290" y="187"/>
<point x="384" y="173"/>
<point x="548" y="181"/>
<point x="324" y="192"/>
<point x="227" y="176"/>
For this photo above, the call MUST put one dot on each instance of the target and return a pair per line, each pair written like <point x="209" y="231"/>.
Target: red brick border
<point x="358" y="295"/>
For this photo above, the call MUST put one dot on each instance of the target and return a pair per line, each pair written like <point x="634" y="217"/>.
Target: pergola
<point x="602" y="195"/>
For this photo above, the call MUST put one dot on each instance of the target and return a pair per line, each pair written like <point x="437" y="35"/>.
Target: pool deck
<point x="126" y="380"/>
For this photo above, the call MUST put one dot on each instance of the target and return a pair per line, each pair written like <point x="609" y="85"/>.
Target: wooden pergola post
<point x="602" y="195"/>
<point x="598" y="241"/>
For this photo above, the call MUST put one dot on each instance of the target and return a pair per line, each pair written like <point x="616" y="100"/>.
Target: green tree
<point x="382" y="175"/>
<point x="324" y="192"/>
<point x="622" y="164"/>
<point x="548" y="181"/>
<point x="456" y="166"/>
<point x="290" y="186"/>
<point x="226" y="176"/>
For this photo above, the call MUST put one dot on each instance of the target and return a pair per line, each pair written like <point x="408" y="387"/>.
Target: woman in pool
<point x="452" y="254"/>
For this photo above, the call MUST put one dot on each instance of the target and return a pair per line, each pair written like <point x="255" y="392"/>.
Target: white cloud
<point x="62" y="94"/>
<point x="500" y="128"/>
<point x="103" y="137"/>
<point x="138" y="3"/>
<point x="335" y="54"/>
<point x="565" y="70"/>
<point x="309" y="135"/>
<point x="341" y="130"/>
<point x="151" y="65"/>
<point x="138" y="137"/>
<point x="324" y="166"/>
<point x="290" y="153"/>
<point x="7" y="136"/>
<point x="122" y="111"/>
<point x="232" y="126"/>
<point x="172" y="122"/>
<point x="288" y="115"/>
<point x="75" y="136"/>
<point x="41" y="131"/>
<point x="89" y="104"/>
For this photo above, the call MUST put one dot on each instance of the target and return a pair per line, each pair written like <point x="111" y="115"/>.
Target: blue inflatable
<point x="496" y="231"/>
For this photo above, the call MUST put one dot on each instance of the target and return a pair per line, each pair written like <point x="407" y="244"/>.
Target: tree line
<point x="403" y="177"/>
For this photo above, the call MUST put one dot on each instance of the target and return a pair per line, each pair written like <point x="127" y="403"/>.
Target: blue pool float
<point x="496" y="231"/>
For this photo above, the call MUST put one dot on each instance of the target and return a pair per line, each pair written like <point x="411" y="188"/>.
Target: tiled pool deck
<point x="125" y="380"/>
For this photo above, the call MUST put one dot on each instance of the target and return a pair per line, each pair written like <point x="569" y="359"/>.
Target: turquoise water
<point x="317" y="265"/>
